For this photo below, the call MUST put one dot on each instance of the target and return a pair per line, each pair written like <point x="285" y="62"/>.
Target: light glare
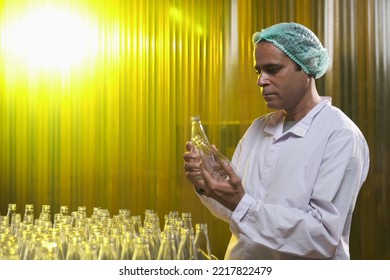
<point x="51" y="37"/>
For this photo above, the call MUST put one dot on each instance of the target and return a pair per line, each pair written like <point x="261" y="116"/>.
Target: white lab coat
<point x="301" y="187"/>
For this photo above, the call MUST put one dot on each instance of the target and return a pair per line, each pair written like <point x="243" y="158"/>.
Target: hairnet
<point x="299" y="43"/>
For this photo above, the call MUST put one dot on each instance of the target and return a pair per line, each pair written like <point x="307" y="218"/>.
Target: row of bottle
<point x="75" y="236"/>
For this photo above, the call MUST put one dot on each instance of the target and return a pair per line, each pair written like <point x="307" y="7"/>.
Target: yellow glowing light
<point x="185" y="20"/>
<point x="51" y="37"/>
<point x="176" y="14"/>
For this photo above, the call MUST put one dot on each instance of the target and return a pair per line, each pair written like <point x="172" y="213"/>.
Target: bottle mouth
<point x="195" y="118"/>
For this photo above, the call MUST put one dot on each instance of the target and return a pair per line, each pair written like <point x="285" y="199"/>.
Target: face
<point x="284" y="87"/>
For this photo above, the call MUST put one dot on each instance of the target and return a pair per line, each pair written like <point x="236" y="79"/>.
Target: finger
<point x="190" y="146"/>
<point x="229" y="169"/>
<point x="193" y="173"/>
<point x="195" y="178"/>
<point x="191" y="167"/>
<point x="207" y="177"/>
<point x="191" y="156"/>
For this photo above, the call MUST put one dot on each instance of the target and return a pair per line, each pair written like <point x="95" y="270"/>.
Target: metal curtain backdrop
<point x="96" y="97"/>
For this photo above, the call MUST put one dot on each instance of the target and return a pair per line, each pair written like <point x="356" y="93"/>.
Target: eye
<point x="273" y="70"/>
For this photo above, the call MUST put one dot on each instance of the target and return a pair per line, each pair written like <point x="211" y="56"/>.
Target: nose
<point x="262" y="80"/>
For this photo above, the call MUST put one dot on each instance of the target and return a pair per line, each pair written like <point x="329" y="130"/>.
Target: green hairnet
<point x="299" y="43"/>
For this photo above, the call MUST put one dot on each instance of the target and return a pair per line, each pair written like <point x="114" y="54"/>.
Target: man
<point x="296" y="173"/>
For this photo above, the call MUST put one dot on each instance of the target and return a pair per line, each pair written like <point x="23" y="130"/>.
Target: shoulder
<point x="337" y="119"/>
<point x="338" y="124"/>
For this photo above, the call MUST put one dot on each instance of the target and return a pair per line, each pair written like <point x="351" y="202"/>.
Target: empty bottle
<point x="186" y="250"/>
<point x="28" y="217"/>
<point x="202" y="243"/>
<point x="211" y="157"/>
<point x="11" y="213"/>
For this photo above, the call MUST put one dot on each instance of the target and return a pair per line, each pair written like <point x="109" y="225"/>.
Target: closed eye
<point x="273" y="70"/>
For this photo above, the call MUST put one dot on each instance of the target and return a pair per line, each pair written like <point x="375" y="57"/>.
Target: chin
<point x="272" y="106"/>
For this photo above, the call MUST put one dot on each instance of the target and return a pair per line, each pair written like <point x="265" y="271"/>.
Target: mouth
<point x="268" y="95"/>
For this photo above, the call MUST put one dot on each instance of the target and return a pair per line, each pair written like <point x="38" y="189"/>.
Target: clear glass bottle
<point x="202" y="243"/>
<point x="167" y="250"/>
<point x="186" y="219"/>
<point x="64" y="210"/>
<point x="141" y="249"/>
<point x="55" y="238"/>
<point x="48" y="251"/>
<point x="107" y="250"/>
<point x="11" y="212"/>
<point x="197" y="130"/>
<point x="28" y="217"/>
<point x="186" y="250"/>
<point x="82" y="212"/>
<point x="16" y="221"/>
<point x="45" y="214"/>
<point x="88" y="251"/>
<point x="73" y="252"/>
<point x="137" y="223"/>
<point x="127" y="246"/>
<point x="211" y="157"/>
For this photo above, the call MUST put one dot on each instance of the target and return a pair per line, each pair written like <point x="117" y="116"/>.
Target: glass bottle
<point x="124" y="214"/>
<point x="73" y="252"/>
<point x="107" y="250"/>
<point x="28" y="217"/>
<point x="55" y="238"/>
<point x="127" y="246"/>
<point x="197" y="130"/>
<point x="141" y="249"/>
<point x="209" y="154"/>
<point x="64" y="210"/>
<point x="137" y="223"/>
<point x="173" y="223"/>
<point x="16" y="221"/>
<point x="45" y="214"/>
<point x="186" y="250"/>
<point x="187" y="221"/>
<point x="11" y="212"/>
<point x="24" y="237"/>
<point x="88" y="251"/>
<point x="49" y="251"/>
<point x="82" y="212"/>
<point x="28" y="252"/>
<point x="201" y="242"/>
<point x="152" y="232"/>
<point x="167" y="250"/>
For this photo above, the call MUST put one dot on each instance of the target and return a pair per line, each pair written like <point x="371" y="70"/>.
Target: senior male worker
<point x="298" y="170"/>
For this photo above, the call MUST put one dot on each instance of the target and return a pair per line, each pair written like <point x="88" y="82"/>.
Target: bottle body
<point x="28" y="217"/>
<point x="210" y="156"/>
<point x="11" y="213"/>
<point x="197" y="130"/>
<point x="202" y="243"/>
<point x="186" y="250"/>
